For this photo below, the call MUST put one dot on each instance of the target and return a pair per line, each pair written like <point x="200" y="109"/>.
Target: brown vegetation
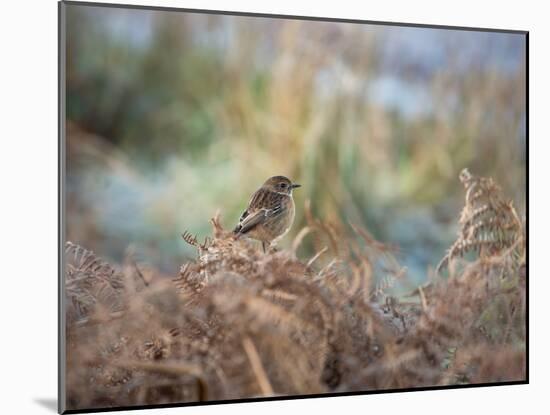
<point x="238" y="323"/>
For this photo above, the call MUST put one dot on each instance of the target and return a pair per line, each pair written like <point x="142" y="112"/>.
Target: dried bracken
<point x="90" y="283"/>
<point x="488" y="223"/>
<point x="240" y="323"/>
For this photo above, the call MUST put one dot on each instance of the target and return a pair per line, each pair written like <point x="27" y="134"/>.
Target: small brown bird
<point x="270" y="212"/>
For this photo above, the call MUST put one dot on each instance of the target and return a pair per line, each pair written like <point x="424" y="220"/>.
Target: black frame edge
<point x="527" y="207"/>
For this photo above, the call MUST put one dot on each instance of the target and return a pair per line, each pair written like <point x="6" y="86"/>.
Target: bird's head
<point x="280" y="184"/>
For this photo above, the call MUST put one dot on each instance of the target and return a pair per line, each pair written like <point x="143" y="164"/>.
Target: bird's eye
<point x="283" y="185"/>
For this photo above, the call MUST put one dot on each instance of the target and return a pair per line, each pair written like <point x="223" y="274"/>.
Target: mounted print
<point x="259" y="207"/>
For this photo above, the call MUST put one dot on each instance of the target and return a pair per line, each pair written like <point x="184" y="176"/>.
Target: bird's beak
<point x="295" y="185"/>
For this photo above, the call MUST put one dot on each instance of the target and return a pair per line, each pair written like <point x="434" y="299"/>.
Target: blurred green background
<point x="174" y="116"/>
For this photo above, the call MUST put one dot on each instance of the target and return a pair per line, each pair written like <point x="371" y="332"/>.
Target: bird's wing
<point x="258" y="217"/>
<point x="239" y="225"/>
<point x="253" y="201"/>
<point x="252" y="220"/>
<point x="261" y="208"/>
<point x="244" y="215"/>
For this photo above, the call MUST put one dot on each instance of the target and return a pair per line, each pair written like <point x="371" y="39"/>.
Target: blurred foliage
<point x="173" y="116"/>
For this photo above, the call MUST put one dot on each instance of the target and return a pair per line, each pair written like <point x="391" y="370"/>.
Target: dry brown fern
<point x="90" y="282"/>
<point x="489" y="224"/>
<point x="238" y="323"/>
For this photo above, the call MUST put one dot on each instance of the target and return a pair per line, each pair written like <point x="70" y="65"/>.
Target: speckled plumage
<point x="270" y="212"/>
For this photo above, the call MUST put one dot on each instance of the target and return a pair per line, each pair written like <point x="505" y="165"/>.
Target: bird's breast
<point x="285" y="222"/>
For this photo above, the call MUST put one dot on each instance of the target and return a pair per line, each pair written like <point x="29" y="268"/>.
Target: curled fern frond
<point x="488" y="223"/>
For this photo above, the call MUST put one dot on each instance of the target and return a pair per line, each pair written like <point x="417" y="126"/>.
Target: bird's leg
<point x="263" y="246"/>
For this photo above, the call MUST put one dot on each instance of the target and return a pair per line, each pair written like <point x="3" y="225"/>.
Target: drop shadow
<point x="47" y="403"/>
